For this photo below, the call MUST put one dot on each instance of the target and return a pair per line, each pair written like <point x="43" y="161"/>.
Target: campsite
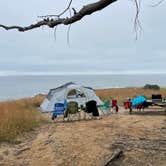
<point x="82" y="83"/>
<point x="136" y="139"/>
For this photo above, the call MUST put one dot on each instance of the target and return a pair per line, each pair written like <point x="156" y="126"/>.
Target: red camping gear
<point x="114" y="105"/>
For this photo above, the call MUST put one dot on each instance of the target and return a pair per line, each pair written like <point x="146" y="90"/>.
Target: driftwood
<point x="19" y="151"/>
<point x="116" y="155"/>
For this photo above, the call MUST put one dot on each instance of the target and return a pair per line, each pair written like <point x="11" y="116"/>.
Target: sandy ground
<point x="141" y="137"/>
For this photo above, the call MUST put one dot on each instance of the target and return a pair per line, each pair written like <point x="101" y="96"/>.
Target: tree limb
<point x="58" y="15"/>
<point x="86" y="10"/>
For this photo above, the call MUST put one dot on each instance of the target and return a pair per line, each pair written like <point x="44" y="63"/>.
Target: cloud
<point x="100" y="43"/>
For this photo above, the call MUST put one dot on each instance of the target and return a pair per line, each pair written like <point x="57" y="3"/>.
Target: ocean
<point x="14" y="87"/>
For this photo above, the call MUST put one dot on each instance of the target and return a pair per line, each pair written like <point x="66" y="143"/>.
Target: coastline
<point x="30" y="138"/>
<point x="112" y="93"/>
<point x="17" y="87"/>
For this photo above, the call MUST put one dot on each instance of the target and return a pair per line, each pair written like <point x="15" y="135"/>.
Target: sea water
<point x="14" y="87"/>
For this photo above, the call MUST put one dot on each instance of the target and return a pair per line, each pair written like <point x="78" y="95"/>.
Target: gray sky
<point x="101" y="43"/>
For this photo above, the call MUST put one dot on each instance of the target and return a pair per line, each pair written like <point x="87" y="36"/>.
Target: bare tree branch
<point x="86" y="10"/>
<point x="58" y="15"/>
<point x="68" y="7"/>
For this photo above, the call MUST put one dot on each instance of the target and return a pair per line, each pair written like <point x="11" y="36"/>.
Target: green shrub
<point x="152" y="87"/>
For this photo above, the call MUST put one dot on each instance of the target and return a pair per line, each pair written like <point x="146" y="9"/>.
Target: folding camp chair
<point x="114" y="105"/>
<point x="106" y="107"/>
<point x="72" y="109"/>
<point x="91" y="107"/>
<point x="59" y="109"/>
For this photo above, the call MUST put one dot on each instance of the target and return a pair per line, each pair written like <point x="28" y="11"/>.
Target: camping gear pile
<point x="67" y="99"/>
<point x="138" y="101"/>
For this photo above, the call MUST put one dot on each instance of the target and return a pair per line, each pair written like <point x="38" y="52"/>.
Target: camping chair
<point x="106" y="107"/>
<point x="72" y="108"/>
<point x="59" y="109"/>
<point x="91" y="107"/>
<point x="114" y="105"/>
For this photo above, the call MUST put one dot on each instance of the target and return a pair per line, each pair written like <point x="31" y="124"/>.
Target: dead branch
<point x="116" y="155"/>
<point x="58" y="15"/>
<point x="51" y="23"/>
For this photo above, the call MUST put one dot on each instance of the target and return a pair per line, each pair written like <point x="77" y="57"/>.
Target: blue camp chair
<point x="59" y="109"/>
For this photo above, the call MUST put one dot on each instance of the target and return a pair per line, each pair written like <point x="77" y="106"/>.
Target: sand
<point x="141" y="137"/>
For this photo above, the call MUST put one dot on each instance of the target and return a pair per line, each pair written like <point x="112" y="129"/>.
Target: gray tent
<point x="69" y="92"/>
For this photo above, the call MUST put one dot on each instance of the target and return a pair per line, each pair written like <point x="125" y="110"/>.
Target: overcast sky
<point x="101" y="43"/>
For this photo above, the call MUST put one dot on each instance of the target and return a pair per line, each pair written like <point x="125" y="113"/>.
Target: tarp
<point x="80" y="94"/>
<point x="138" y="100"/>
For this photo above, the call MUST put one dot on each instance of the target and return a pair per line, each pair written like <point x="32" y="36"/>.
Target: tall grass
<point x="23" y="115"/>
<point x="121" y="93"/>
<point x="19" y="116"/>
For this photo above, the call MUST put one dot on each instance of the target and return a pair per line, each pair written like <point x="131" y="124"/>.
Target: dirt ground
<point x="141" y="137"/>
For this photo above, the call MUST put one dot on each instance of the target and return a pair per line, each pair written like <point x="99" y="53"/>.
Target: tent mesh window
<point x="74" y="94"/>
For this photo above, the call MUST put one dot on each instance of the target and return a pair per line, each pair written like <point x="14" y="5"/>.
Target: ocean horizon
<point x="53" y="73"/>
<point x="20" y="86"/>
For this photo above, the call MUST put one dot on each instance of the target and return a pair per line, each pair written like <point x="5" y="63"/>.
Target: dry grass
<point x="19" y="116"/>
<point x="121" y="93"/>
<point x="23" y="115"/>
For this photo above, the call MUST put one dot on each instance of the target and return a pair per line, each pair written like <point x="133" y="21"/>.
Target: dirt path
<point x="91" y="143"/>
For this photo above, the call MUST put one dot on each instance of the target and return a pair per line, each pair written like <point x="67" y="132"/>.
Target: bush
<point x="151" y="87"/>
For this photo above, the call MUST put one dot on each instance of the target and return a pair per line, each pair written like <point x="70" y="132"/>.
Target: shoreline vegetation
<point x="23" y="115"/>
<point x="19" y="116"/>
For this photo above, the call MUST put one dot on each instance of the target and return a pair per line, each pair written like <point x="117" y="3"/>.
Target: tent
<point x="69" y="92"/>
